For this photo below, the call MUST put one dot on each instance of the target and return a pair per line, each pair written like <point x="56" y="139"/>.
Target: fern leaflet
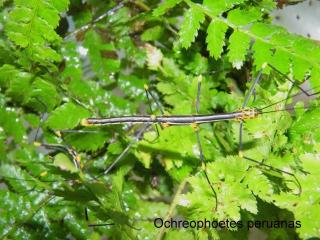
<point x="190" y="26"/>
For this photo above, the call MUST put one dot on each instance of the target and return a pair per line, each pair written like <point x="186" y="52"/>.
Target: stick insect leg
<point x="250" y="93"/>
<point x="120" y="157"/>
<point x="76" y="159"/>
<point x="70" y="152"/>
<point x="63" y="148"/>
<point x="150" y="94"/>
<point x="125" y="151"/>
<point x="146" y="88"/>
<point x="202" y="158"/>
<point x="276" y="170"/>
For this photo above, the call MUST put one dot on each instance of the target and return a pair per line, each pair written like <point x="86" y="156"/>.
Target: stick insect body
<point x="175" y="119"/>
<point x="194" y="120"/>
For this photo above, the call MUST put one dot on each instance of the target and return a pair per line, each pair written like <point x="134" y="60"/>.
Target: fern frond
<point x="31" y="26"/>
<point x="270" y="43"/>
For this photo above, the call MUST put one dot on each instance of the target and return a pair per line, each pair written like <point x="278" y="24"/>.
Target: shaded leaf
<point x="165" y="6"/>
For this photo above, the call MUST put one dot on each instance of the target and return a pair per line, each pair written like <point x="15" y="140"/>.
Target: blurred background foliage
<point x="63" y="61"/>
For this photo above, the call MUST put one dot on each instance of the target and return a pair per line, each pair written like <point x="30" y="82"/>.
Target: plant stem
<point x="172" y="207"/>
<point x="141" y="5"/>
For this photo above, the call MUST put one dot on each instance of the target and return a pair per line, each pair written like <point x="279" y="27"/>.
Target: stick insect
<point x="241" y="116"/>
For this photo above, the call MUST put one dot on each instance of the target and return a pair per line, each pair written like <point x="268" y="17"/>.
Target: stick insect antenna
<point x="253" y="86"/>
<point x="277" y="170"/>
<point x="294" y="82"/>
<point x="305" y="92"/>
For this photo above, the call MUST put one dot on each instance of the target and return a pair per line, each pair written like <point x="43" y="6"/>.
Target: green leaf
<point x="73" y="68"/>
<point x="239" y="44"/>
<point x="164" y="7"/>
<point x="216" y="7"/>
<point x="262" y="53"/>
<point x="264" y="189"/>
<point x="14" y="80"/>
<point x="20" y="80"/>
<point x="281" y="59"/>
<point x="37" y="93"/>
<point x="7" y="71"/>
<point x="193" y="17"/>
<point x="153" y="33"/>
<point x="267" y="38"/>
<point x="66" y="116"/>
<point x="87" y="141"/>
<point x="11" y="124"/>
<point x="215" y="38"/>
<point x="64" y="163"/>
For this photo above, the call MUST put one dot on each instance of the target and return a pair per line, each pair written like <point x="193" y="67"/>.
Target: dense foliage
<point x="63" y="61"/>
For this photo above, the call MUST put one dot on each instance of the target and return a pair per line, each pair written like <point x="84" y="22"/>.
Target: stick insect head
<point x="248" y="113"/>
